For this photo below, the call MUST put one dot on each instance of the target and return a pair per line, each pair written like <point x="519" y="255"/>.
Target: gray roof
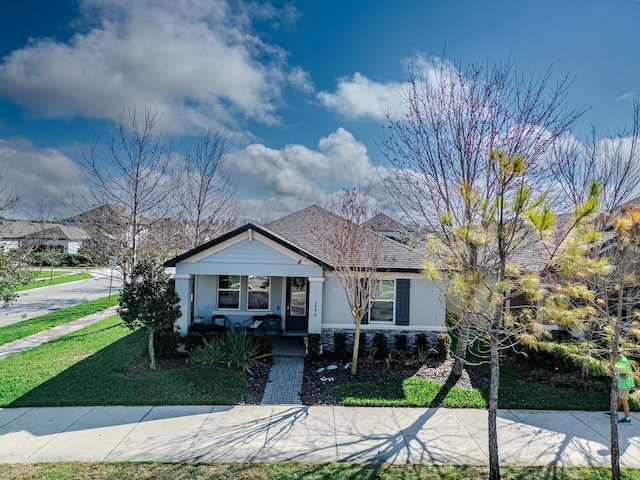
<point x="384" y="223"/>
<point x="22" y="229"/>
<point x="296" y="229"/>
<point x="294" y="232"/>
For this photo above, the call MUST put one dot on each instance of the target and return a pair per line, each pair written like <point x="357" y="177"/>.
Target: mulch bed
<point x="316" y="391"/>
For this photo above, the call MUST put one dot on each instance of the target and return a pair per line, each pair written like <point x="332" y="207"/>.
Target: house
<point x="279" y="270"/>
<point x="24" y="234"/>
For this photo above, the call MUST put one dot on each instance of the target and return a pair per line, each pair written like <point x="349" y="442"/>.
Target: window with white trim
<point x="229" y="292"/>
<point x="258" y="292"/>
<point x="382" y="301"/>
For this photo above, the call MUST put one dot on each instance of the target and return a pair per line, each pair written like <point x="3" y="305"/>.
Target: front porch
<point x="257" y="304"/>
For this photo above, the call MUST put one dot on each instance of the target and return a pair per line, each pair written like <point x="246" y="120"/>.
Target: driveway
<point x="39" y="301"/>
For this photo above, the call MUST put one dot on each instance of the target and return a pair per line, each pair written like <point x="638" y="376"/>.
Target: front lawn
<point x="519" y="389"/>
<point x="47" y="282"/>
<point x="105" y="364"/>
<point x="24" y="328"/>
<point x="286" y="471"/>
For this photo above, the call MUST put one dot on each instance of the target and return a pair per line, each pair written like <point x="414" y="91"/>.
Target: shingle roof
<point x="294" y="232"/>
<point x="296" y="228"/>
<point x="18" y="229"/>
<point x="384" y="223"/>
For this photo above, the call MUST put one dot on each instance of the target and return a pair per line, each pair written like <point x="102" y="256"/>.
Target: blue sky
<point x="300" y="86"/>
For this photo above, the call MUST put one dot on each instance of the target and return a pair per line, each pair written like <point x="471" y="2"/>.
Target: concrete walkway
<point x="308" y="434"/>
<point x="45" y="336"/>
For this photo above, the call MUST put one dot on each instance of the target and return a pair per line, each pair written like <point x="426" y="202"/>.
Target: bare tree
<point x="355" y="253"/>
<point x="612" y="160"/>
<point x="132" y="174"/>
<point x="205" y="194"/>
<point x="8" y="198"/>
<point x="469" y="152"/>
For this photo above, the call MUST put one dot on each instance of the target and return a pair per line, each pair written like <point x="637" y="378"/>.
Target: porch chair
<point x="255" y="326"/>
<point x="221" y="324"/>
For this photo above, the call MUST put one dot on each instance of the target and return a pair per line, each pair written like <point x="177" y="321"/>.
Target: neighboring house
<point x="278" y="269"/>
<point x="388" y="227"/>
<point x="24" y="235"/>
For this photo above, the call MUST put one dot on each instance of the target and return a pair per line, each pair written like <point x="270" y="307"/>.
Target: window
<point x="258" y="291"/>
<point x="382" y="301"/>
<point x="229" y="292"/>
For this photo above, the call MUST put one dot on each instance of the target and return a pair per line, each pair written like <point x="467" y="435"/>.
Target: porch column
<point x="184" y="287"/>
<point x="315" y="305"/>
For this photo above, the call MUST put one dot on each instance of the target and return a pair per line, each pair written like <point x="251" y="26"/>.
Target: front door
<point x="297" y="305"/>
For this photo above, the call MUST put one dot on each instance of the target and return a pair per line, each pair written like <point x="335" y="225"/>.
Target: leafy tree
<point x="595" y="294"/>
<point x="149" y="300"/>
<point x="470" y="153"/>
<point x="14" y="271"/>
<point x="440" y="146"/>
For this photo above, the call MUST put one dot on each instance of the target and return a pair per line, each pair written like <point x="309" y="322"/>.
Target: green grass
<point x="93" y="367"/>
<point x="25" y="328"/>
<point x="410" y="392"/>
<point x="287" y="471"/>
<point x="46" y="273"/>
<point x="55" y="281"/>
<point x="515" y="392"/>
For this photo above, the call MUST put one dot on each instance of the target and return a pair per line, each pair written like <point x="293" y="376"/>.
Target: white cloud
<point x="273" y="182"/>
<point x="41" y="176"/>
<point x="197" y="62"/>
<point x="359" y="97"/>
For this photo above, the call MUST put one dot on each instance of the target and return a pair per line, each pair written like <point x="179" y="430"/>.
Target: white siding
<point x="426" y="307"/>
<point x="249" y="257"/>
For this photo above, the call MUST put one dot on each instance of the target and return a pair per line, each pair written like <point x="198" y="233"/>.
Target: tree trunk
<point x="152" y="352"/>
<point x="613" y="403"/>
<point x="494" y="462"/>
<point x="356" y="347"/>
<point x="462" y="345"/>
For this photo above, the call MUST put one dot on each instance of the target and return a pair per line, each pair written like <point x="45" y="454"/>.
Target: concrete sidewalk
<point x="309" y="434"/>
<point x="45" y="336"/>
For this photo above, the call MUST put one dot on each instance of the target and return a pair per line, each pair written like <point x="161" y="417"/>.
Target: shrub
<point x="165" y="343"/>
<point x="212" y="350"/>
<point x="340" y="345"/>
<point x="242" y="351"/>
<point x="421" y="343"/>
<point x="444" y="345"/>
<point x="380" y="345"/>
<point x="401" y="343"/>
<point x="313" y="346"/>
<point x="363" y="345"/>
<point x="265" y="344"/>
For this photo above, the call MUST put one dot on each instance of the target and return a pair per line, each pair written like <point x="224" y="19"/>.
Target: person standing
<point x="625" y="384"/>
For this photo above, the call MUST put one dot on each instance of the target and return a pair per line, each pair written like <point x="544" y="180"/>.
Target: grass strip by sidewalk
<point x="24" y="328"/>
<point x="515" y="392"/>
<point x="286" y="471"/>
<point x="55" y="281"/>
<point x="106" y="364"/>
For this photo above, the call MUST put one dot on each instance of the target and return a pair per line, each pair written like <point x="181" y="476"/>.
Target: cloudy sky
<point x="300" y="86"/>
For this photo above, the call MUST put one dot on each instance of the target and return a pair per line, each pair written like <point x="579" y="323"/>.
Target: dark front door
<point x="297" y="305"/>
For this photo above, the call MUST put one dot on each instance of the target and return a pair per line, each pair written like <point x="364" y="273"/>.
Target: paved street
<point x="308" y="434"/>
<point x="48" y="299"/>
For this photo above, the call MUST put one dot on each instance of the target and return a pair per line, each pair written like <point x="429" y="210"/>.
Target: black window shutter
<point x="365" y="319"/>
<point x="402" y="301"/>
